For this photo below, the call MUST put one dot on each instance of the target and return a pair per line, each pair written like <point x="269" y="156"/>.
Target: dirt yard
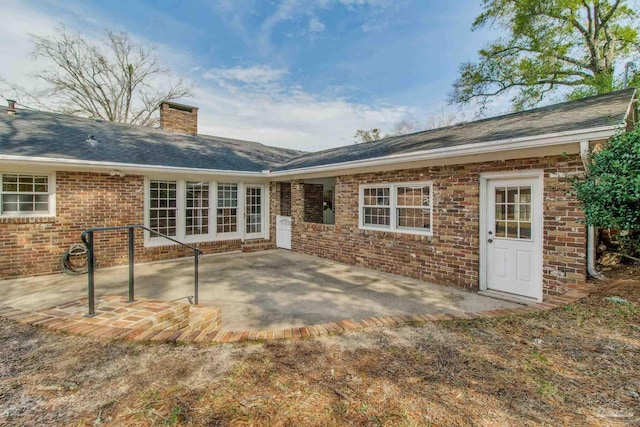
<point x="578" y="365"/>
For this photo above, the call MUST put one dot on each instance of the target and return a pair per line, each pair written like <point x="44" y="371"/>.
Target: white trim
<point x="213" y="235"/>
<point x="463" y="150"/>
<point x="263" y="214"/>
<point x="130" y="168"/>
<point x="495" y="146"/>
<point x="393" y="193"/>
<point x="485" y="177"/>
<point x="52" y="193"/>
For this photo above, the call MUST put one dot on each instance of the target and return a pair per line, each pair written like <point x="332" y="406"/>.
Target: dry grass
<point x="577" y="365"/>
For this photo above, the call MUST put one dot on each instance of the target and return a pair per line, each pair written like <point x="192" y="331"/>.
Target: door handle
<point x="490" y="240"/>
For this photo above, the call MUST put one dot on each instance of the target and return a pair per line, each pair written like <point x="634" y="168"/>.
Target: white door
<point x="254" y="212"/>
<point x="283" y="232"/>
<point x="513" y="236"/>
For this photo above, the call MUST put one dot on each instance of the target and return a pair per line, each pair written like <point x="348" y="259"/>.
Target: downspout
<point x="591" y="232"/>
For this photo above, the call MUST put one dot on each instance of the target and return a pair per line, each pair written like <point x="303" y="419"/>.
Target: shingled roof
<point x="592" y="112"/>
<point x="43" y="134"/>
<point x="50" y="135"/>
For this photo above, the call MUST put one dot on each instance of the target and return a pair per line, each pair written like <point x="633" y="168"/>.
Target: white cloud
<point x="253" y="103"/>
<point x="289" y="117"/>
<point x="259" y="74"/>
<point x="16" y="46"/>
<point x="315" y="26"/>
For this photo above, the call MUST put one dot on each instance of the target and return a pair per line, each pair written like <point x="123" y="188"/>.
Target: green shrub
<point x="610" y="190"/>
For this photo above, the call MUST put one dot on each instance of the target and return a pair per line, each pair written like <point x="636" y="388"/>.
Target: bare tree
<point x="370" y="135"/>
<point x="119" y="80"/>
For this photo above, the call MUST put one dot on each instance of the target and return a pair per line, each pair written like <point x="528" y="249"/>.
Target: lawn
<point x="576" y="365"/>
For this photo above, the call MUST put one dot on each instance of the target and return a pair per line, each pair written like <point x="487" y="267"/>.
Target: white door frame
<point x="263" y="212"/>
<point x="538" y="199"/>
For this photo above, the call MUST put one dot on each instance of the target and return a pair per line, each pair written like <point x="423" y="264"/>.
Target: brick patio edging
<point x="190" y="335"/>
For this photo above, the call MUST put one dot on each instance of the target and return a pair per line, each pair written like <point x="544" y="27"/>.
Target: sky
<point x="302" y="74"/>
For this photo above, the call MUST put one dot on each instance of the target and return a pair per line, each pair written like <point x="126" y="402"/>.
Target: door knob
<point x="490" y="240"/>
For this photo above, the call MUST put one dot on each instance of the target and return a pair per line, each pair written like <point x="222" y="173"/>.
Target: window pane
<point x="227" y="214"/>
<point x="162" y="207"/>
<point x="414" y="218"/>
<point x="516" y="209"/>
<point x="377" y="216"/>
<point x="253" y="206"/>
<point x="25" y="183"/>
<point x="10" y="183"/>
<point x="10" y="203"/>
<point x="19" y="193"/>
<point x="377" y="196"/>
<point x="413" y="196"/>
<point x="197" y="212"/>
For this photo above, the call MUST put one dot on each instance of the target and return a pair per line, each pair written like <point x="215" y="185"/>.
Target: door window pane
<point x="513" y="212"/>
<point x="254" y="210"/>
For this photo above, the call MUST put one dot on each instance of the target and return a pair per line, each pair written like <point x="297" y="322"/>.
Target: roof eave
<point x="462" y="150"/>
<point x="97" y="166"/>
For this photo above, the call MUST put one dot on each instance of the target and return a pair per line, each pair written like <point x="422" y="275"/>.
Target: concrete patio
<point x="262" y="290"/>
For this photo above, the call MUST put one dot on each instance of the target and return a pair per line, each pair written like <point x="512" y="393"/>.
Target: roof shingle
<point x="592" y="112"/>
<point x="43" y="134"/>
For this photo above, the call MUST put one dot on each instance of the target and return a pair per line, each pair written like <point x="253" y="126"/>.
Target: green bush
<point x="610" y="190"/>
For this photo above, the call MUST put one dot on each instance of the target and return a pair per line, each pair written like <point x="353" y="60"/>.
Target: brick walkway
<point x="164" y="321"/>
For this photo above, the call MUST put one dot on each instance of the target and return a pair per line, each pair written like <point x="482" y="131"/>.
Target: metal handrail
<point x="87" y="238"/>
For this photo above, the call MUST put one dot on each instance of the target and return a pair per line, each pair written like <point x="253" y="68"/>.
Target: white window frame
<point x="51" y="183"/>
<point x="393" y="206"/>
<point x="239" y="210"/>
<point x="208" y="208"/>
<point x="212" y="235"/>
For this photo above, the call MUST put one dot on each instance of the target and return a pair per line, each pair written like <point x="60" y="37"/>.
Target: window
<point x="197" y="208"/>
<point x="26" y="195"/>
<point x="227" y="208"/>
<point x="513" y="212"/>
<point x="403" y="207"/>
<point x="163" y="207"/>
<point x="377" y="211"/>
<point x="193" y="211"/>
<point x="413" y="207"/>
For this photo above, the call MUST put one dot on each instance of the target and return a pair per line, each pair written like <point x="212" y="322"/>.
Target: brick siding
<point x="30" y="246"/>
<point x="178" y="118"/>
<point x="285" y="199"/>
<point x="451" y="255"/>
<point x="313" y="203"/>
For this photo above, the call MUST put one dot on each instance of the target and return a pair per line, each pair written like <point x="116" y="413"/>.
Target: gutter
<point x="603" y="132"/>
<point x="591" y="231"/>
<point x="133" y="168"/>
<point x="437" y="153"/>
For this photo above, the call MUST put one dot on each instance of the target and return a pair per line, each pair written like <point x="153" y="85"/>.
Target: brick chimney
<point x="11" y="109"/>
<point x="179" y="118"/>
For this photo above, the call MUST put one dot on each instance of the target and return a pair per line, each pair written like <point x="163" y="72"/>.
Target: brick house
<point x="484" y="205"/>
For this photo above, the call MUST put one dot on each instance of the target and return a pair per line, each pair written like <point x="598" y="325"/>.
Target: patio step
<point x="203" y="317"/>
<point x="257" y="245"/>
